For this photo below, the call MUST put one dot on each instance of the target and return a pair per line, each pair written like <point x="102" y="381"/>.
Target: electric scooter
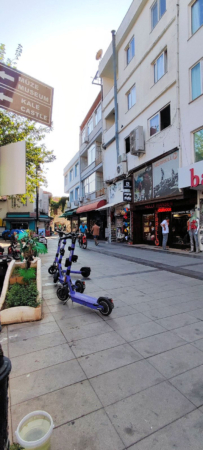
<point x="103" y="304"/>
<point x="53" y="269"/>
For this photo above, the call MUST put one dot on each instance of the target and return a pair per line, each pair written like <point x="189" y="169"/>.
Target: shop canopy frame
<point x="96" y="206"/>
<point x="67" y="214"/>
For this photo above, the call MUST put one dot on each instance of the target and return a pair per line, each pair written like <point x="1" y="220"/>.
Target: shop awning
<point x="108" y="205"/>
<point x="91" y="207"/>
<point x="68" y="213"/>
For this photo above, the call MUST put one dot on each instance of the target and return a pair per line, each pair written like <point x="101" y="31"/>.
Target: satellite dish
<point x="99" y="54"/>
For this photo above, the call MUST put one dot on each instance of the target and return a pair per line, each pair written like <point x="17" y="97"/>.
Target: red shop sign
<point x="164" y="210"/>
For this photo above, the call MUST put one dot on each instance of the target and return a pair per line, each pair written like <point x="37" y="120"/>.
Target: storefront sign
<point x="143" y="184"/>
<point x="191" y="176"/>
<point x="115" y="192"/>
<point x="127" y="184"/>
<point x="127" y="196"/>
<point x="165" y="176"/>
<point x="156" y="228"/>
<point x="164" y="210"/>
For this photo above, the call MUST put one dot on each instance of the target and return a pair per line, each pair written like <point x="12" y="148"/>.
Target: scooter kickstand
<point x="65" y="302"/>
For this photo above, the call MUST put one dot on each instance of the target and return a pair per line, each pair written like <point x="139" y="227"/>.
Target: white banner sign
<point x="13" y="169"/>
<point x="191" y="176"/>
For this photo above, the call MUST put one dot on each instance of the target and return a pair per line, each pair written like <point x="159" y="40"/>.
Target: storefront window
<point x="148" y="225"/>
<point x="179" y="233"/>
<point x="198" y="145"/>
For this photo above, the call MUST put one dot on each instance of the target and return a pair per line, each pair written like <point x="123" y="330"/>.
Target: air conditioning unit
<point x="122" y="169"/>
<point x="81" y="199"/>
<point x="76" y="202"/>
<point x="122" y="158"/>
<point x="137" y="141"/>
<point x="68" y="204"/>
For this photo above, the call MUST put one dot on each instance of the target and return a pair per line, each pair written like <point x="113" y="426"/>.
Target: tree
<point x="14" y="128"/>
<point x="60" y="204"/>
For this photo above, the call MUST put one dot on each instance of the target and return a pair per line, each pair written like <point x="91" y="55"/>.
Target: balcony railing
<point x="98" y="159"/>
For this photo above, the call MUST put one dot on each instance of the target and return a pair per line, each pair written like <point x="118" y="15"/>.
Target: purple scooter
<point x="68" y="290"/>
<point x="56" y="267"/>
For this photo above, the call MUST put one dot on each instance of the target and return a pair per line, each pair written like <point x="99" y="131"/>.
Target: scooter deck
<point x="84" y="300"/>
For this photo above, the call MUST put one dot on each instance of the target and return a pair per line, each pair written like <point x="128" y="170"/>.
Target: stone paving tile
<point x="180" y="320"/>
<point x="45" y="380"/>
<point x="177" y="361"/>
<point x="162" y="312"/>
<point x="80" y="320"/>
<point x="41" y="359"/>
<point x="35" y="344"/>
<point x="125" y="381"/>
<point x="84" y="331"/>
<point x="87" y="346"/>
<point x="144" y="413"/>
<point x="183" y="434"/>
<point x="159" y="343"/>
<point x="191" y="332"/>
<point x="110" y="359"/>
<point x="190" y="384"/>
<point x="92" y="432"/>
<point x="32" y="331"/>
<point x="128" y="321"/>
<point x="140" y="331"/>
<point x="64" y="405"/>
<point x="198" y="344"/>
<point x="198" y="314"/>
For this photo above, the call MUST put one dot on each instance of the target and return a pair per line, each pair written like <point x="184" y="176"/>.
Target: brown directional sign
<point x="25" y="96"/>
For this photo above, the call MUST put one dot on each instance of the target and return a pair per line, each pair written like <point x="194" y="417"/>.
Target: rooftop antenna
<point x="97" y="80"/>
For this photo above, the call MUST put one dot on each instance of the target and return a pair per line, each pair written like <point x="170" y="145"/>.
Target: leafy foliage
<point x="60" y="204"/>
<point x="16" y="447"/>
<point x="27" y="274"/>
<point x="14" y="128"/>
<point x="30" y="247"/>
<point x="22" y="295"/>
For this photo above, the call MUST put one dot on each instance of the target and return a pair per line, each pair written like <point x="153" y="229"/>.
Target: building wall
<point x="150" y="96"/>
<point x="191" y="51"/>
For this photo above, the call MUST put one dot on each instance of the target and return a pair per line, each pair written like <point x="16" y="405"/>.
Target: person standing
<point x="95" y="231"/>
<point x="165" y="232"/>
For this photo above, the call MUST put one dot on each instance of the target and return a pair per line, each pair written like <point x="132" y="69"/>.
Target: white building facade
<point x="149" y="124"/>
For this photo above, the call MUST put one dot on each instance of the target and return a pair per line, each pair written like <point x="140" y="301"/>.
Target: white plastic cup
<point x="40" y="444"/>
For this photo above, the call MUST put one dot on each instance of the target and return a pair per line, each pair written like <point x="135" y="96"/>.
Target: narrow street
<point x="131" y="380"/>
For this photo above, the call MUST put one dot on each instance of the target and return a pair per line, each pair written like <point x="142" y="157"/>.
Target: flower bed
<point x="20" y="300"/>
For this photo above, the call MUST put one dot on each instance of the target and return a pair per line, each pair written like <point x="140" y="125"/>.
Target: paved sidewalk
<point x="132" y="380"/>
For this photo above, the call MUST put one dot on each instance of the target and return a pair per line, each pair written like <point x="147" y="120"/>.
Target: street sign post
<point x="26" y="96"/>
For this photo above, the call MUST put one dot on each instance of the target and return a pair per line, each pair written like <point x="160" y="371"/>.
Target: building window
<point x="71" y="175"/>
<point x="131" y="97"/>
<point x="197" y="15"/>
<point x="196" y="81"/>
<point x="76" y="169"/>
<point x="89" y="184"/>
<point x="91" y="154"/>
<point x="66" y="180"/>
<point x="160" y="121"/>
<point x="90" y="126"/>
<point x="157" y="10"/>
<point x="13" y="202"/>
<point x="83" y="135"/>
<point x="76" y="193"/>
<point x="160" y="66"/>
<point x="71" y="196"/>
<point x="130" y="51"/>
<point x="198" y="145"/>
<point x="127" y="144"/>
<point x="98" y="115"/>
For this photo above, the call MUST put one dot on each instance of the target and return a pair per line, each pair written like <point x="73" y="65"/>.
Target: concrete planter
<point x="20" y="314"/>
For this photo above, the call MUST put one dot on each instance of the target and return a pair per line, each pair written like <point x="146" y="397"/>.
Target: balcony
<point x="108" y="98"/>
<point x="109" y="134"/>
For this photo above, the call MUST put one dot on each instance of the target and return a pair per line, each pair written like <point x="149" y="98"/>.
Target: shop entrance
<point x="179" y="235"/>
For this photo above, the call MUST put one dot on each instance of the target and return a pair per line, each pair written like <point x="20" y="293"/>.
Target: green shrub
<point x="16" y="271"/>
<point x="27" y="274"/>
<point x="22" y="295"/>
<point x="16" y="447"/>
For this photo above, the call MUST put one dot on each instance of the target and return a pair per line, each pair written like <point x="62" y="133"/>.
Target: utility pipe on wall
<point x="115" y="90"/>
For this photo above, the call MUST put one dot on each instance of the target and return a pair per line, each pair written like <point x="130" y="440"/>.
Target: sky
<point x="60" y="40"/>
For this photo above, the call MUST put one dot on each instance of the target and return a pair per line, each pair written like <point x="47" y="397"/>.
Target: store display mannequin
<point x="193" y="228"/>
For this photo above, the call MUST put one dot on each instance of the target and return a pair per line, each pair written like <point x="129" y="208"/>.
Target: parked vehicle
<point x="67" y="290"/>
<point x="14" y="251"/>
<point x="4" y="260"/>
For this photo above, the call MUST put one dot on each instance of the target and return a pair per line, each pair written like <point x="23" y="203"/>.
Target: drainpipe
<point x="115" y="90"/>
<point x="178" y="84"/>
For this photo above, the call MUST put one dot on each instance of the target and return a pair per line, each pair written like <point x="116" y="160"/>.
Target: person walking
<point x="165" y="232"/>
<point x="95" y="231"/>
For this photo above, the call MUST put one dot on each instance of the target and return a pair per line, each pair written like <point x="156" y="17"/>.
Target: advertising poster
<point x="143" y="184"/>
<point x="165" y="176"/>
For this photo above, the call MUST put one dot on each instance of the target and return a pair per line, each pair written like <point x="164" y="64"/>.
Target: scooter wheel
<point x="85" y="245"/>
<point x="79" y="286"/>
<point x="55" y="277"/>
<point x="62" y="293"/>
<point x="85" y="272"/>
<point x="107" y="309"/>
<point x="16" y="256"/>
<point x="52" y="269"/>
